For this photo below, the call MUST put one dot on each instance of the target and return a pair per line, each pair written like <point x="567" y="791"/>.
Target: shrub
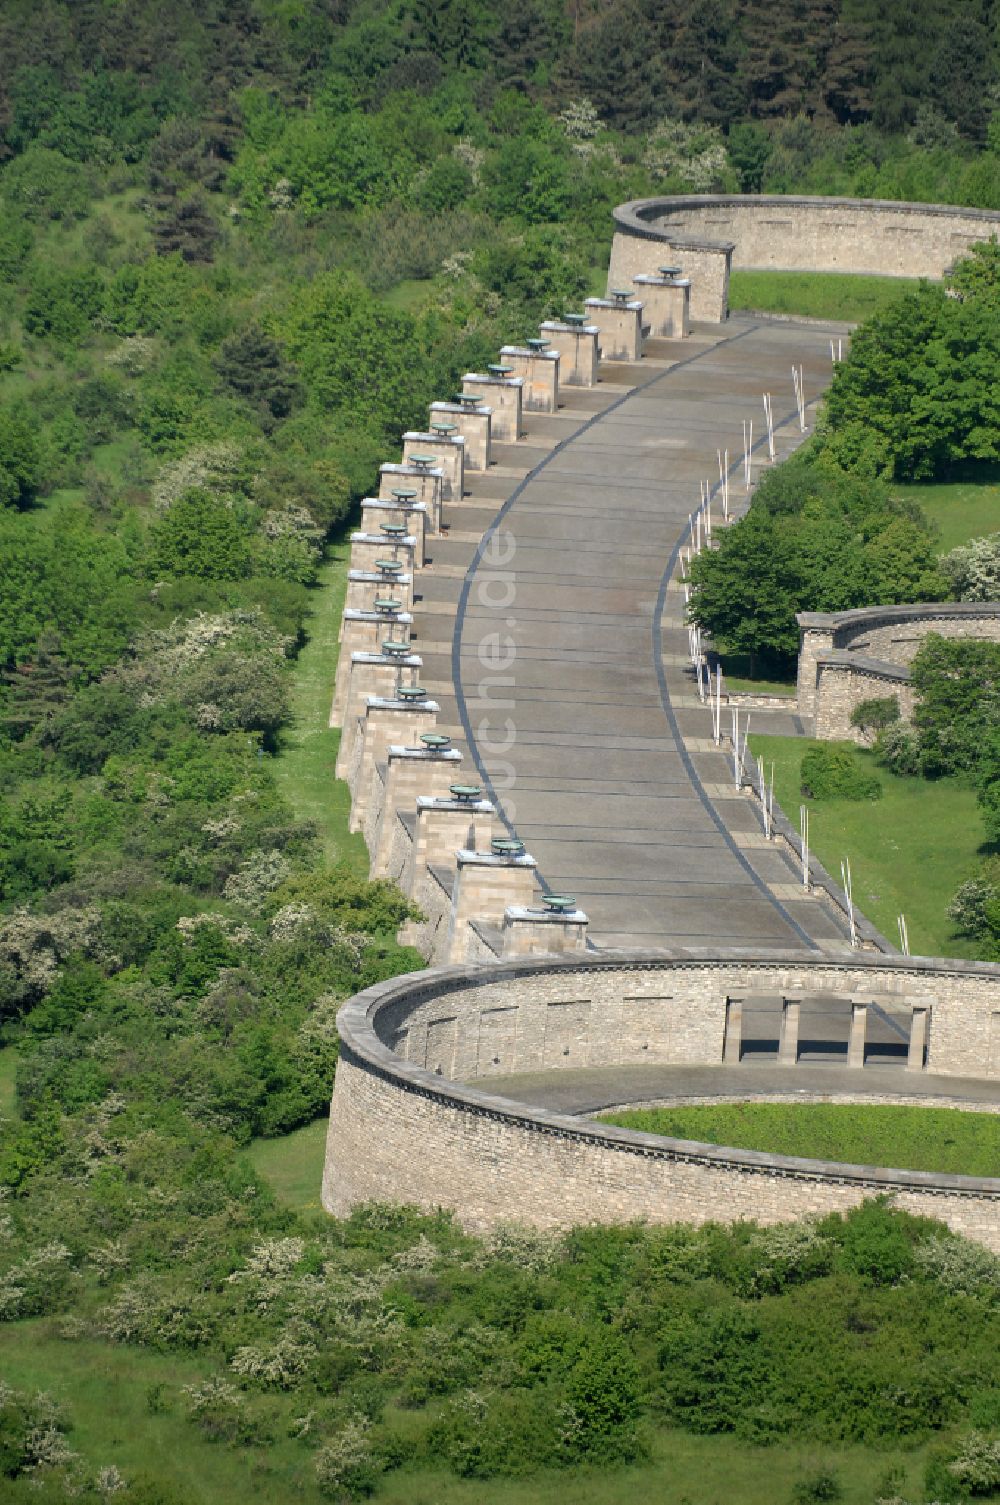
<point x="971" y="1471"/>
<point x="821" y="1485"/>
<point x="874" y="716"/>
<point x="897" y="748"/>
<point x="831" y="770"/>
<point x="973" y="569"/>
<point x="20" y="462"/>
<point x="970" y="908"/>
<point x="200" y="535"/>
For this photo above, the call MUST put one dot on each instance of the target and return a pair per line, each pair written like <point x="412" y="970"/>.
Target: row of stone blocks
<point x="437" y="839"/>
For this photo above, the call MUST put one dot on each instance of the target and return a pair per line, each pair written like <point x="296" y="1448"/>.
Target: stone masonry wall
<point x="705" y="266"/>
<point x="877" y="639"/>
<point x="840" y="686"/>
<point x="405" y="1042"/>
<point x="803" y="234"/>
<point x="490" y="1165"/>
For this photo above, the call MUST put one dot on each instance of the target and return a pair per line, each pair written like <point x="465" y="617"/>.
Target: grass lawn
<point x="816" y="295"/>
<point x="909" y="850"/>
<point x="127" y="1408"/>
<point x="305" y="768"/>
<point x="961" y="509"/>
<point x="916" y="1139"/>
<point x="8" y="1071"/>
<point x="293" y="1165"/>
<point x="736" y="676"/>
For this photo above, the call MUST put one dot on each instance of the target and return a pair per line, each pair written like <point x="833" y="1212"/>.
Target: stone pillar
<point x="705" y="263"/>
<point x="486" y="883"/>
<point x="538" y="931"/>
<point x="505" y="396"/>
<point x="385" y="721"/>
<point x="365" y="587"/>
<point x="443" y="828"/>
<point x="475" y="423"/>
<point x="367" y="549"/>
<point x="732" y="1043"/>
<point x="426" y="480"/>
<point x="918" y="1037"/>
<point x="410" y="772"/>
<point x="539" y="370"/>
<point x="370" y="674"/>
<point x="375" y="512"/>
<point x="446" y="449"/>
<point x="666" y="304"/>
<point x="859" y="1032"/>
<point x="815" y="639"/>
<point x="576" y="346"/>
<point x="788" y="1044"/>
<point x="364" y="632"/>
<point x="619" y="321"/>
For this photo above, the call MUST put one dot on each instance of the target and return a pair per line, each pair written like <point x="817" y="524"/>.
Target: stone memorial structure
<point x="708" y="234"/>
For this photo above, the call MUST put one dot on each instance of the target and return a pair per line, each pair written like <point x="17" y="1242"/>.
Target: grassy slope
<point x="919" y="1139"/>
<point x="816" y="295"/>
<point x="8" y="1071"/>
<point x="909" y="850"/>
<point x="305" y="769"/>
<point x="961" y="510"/>
<point x="127" y="1406"/>
<point x="293" y="1165"/>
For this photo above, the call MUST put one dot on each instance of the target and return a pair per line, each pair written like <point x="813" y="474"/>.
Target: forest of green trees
<point x="242" y="244"/>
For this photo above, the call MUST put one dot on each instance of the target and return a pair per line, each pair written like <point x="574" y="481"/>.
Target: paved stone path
<point x="592" y="740"/>
<point x="595" y="1089"/>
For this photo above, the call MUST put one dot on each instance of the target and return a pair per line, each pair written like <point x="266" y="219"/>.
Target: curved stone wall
<point x="410" y="1123"/>
<point x="707" y="234"/>
<point x="846" y="657"/>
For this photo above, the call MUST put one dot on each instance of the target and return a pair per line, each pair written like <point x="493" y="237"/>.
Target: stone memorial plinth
<point x="666" y="304"/>
<point x="365" y="587"/>
<point x="409" y="772"/>
<point x="536" y="931"/>
<point x="367" y="549"/>
<point x="412" y="516"/>
<point x="505" y="396"/>
<point x="378" y="674"/>
<point x="619" y="322"/>
<point x="444" y="827"/>
<point x="577" y="348"/>
<point x="475" y="423"/>
<point x="446" y="451"/>
<point x="486" y="885"/>
<point x="425" y="480"/>
<point x="386" y="719"/>
<point x="539" y="371"/>
<point x="364" y="632"/>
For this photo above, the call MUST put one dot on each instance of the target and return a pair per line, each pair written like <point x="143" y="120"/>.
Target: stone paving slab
<point x="587" y="1090"/>
<point x="587" y="746"/>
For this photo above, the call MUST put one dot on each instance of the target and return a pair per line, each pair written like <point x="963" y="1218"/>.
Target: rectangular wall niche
<point x="645" y="1032"/>
<point x="567" y="1033"/>
<point x="497" y="1041"/>
<point x="440" y="1054"/>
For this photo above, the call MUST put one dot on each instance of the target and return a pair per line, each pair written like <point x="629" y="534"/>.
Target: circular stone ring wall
<point x="412" y="1119"/>
<point x="706" y="234"/>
